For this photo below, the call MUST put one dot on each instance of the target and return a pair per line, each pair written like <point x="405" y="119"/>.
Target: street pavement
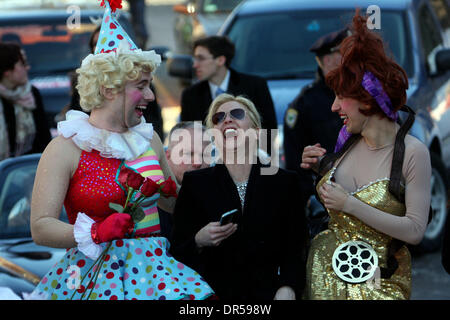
<point x="429" y="279"/>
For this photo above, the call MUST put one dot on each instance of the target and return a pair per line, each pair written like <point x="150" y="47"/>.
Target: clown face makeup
<point x="137" y="95"/>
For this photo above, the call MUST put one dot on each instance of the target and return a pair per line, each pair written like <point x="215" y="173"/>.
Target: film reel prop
<point x="355" y="261"/>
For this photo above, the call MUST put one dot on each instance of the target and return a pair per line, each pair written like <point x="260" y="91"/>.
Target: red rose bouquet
<point x="138" y="189"/>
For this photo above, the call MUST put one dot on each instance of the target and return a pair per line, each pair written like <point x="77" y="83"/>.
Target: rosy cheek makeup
<point x="135" y="96"/>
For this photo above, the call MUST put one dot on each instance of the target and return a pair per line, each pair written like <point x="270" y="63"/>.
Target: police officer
<point x="308" y="119"/>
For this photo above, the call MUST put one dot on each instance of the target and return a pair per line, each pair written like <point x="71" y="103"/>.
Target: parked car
<point x="22" y="262"/>
<point x="54" y="42"/>
<point x="198" y="18"/>
<point x="272" y="39"/>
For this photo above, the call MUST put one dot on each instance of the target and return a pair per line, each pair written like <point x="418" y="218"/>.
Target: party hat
<point x="113" y="39"/>
<point x="111" y="33"/>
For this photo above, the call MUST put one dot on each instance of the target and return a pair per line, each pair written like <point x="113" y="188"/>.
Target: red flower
<point x="123" y="176"/>
<point x="149" y="188"/>
<point x="134" y="180"/>
<point x="169" y="188"/>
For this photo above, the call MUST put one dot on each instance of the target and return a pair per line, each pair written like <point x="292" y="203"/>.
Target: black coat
<point x="42" y="137"/>
<point x="271" y="232"/>
<point x="309" y="120"/>
<point x="195" y="100"/>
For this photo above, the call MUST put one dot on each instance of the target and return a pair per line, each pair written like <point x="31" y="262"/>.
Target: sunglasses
<point x="237" y="114"/>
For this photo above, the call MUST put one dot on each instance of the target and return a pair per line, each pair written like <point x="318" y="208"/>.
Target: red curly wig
<point x="364" y="51"/>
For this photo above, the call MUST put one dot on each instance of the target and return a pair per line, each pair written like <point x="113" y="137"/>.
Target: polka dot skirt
<point x="131" y="269"/>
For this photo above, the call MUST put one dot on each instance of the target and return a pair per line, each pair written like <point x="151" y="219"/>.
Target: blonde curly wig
<point x="112" y="72"/>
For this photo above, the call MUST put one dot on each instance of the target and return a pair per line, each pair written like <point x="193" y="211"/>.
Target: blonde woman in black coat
<point x="261" y="253"/>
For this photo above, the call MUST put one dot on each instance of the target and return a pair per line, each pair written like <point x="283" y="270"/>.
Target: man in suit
<point x="212" y="59"/>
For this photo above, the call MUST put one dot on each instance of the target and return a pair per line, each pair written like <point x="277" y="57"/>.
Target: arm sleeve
<point x="295" y="140"/>
<point x="293" y="266"/>
<point x="411" y="227"/>
<point x="185" y="226"/>
<point x="186" y="113"/>
<point x="43" y="136"/>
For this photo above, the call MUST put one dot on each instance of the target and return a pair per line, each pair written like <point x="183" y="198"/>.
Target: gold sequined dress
<point x="323" y="284"/>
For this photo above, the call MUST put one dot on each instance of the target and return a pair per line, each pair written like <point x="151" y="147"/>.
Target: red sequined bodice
<point x="93" y="187"/>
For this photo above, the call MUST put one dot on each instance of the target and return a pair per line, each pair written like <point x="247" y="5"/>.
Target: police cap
<point x="329" y="43"/>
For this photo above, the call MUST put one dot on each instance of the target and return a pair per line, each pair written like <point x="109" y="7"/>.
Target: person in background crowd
<point x="310" y="121"/>
<point x="376" y="184"/>
<point x="23" y="125"/>
<point x="137" y="11"/>
<point x="212" y="59"/>
<point x="260" y="254"/>
<point x="185" y="152"/>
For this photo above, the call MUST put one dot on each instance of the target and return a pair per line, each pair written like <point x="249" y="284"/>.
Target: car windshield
<point x="51" y="48"/>
<point x="276" y="45"/>
<point x="212" y="6"/>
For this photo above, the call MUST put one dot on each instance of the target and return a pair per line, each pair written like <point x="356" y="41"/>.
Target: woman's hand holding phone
<point x="213" y="234"/>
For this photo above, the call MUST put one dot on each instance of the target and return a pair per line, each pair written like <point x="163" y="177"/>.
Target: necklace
<point x="241" y="188"/>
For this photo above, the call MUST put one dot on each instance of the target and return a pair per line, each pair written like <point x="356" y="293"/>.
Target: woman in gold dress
<point x="375" y="187"/>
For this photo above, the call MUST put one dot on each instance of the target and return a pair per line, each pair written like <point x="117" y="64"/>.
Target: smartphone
<point x="227" y="217"/>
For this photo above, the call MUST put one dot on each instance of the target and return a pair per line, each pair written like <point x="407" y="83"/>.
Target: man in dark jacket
<point x="212" y="58"/>
<point x="309" y="119"/>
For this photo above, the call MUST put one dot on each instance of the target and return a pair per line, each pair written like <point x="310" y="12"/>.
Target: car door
<point x="432" y="40"/>
<point x="427" y="103"/>
<point x="22" y="262"/>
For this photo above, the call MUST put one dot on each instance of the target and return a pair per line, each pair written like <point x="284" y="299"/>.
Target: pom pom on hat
<point x="114" y="4"/>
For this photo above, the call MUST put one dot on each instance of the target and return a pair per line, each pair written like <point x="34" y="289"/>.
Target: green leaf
<point x="138" y="214"/>
<point x="116" y="207"/>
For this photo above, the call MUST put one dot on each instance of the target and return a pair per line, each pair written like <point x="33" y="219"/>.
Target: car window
<point x="212" y="6"/>
<point x="52" y="48"/>
<point x="276" y="45"/>
<point x="15" y="201"/>
<point x="431" y="38"/>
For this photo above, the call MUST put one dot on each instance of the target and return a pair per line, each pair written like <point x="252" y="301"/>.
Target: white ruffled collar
<point x="127" y="145"/>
